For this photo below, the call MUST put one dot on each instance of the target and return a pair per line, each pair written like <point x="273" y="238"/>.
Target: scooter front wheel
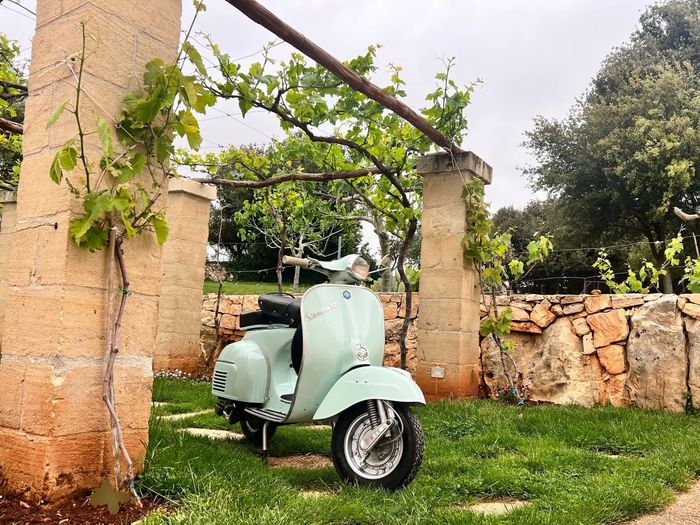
<point x="252" y="427"/>
<point x="392" y="463"/>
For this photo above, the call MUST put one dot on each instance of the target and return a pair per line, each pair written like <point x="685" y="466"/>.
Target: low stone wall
<point x="641" y="350"/>
<point x="231" y="306"/>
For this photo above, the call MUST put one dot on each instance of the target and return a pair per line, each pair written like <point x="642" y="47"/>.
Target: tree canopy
<point x="630" y="149"/>
<point x="12" y="94"/>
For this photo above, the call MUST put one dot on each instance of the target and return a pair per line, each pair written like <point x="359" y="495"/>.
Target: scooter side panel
<point x="343" y="328"/>
<point x="369" y="382"/>
<point x="241" y="373"/>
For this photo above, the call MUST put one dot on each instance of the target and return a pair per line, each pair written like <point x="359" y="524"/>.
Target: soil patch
<point x="79" y="511"/>
<point x="310" y="461"/>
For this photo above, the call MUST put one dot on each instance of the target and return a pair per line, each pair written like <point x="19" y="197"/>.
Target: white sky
<point x="533" y="56"/>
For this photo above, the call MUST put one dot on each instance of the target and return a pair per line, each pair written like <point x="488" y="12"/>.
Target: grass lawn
<point x="248" y="287"/>
<point x="573" y="465"/>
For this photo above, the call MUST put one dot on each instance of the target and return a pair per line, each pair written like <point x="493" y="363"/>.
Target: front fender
<point x="369" y="382"/>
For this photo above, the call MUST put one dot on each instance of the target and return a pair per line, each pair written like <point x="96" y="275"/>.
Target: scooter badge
<point x="347" y="294"/>
<point x="361" y="352"/>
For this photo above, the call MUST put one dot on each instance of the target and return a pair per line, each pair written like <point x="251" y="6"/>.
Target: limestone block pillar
<point x="8" y="200"/>
<point x="184" y="257"/>
<point x="448" y="324"/>
<point x="54" y="429"/>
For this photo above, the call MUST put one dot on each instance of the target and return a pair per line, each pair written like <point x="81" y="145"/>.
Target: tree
<point x="13" y="92"/>
<point x="309" y="99"/>
<point x="630" y="149"/>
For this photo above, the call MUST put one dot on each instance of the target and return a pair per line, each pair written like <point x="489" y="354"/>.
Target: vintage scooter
<point x="319" y="358"/>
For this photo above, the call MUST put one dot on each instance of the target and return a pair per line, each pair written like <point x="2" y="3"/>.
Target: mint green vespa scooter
<point x="319" y="358"/>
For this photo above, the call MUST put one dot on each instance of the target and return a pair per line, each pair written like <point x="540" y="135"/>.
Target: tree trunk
<point x="297" y="251"/>
<point x="297" y="273"/>
<point x="386" y="279"/>
<point x="280" y="255"/>
<point x="410" y="232"/>
<point x="666" y="283"/>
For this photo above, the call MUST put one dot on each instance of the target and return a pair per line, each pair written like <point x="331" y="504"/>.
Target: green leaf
<point x="55" y="172"/>
<point x="68" y="156"/>
<point x="160" y="227"/>
<point x="104" y="133"/>
<point x="79" y="227"/>
<point x="194" y="56"/>
<point x="56" y="115"/>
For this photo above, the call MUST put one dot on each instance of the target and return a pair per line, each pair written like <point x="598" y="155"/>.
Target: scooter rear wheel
<point x="252" y="427"/>
<point x="391" y="465"/>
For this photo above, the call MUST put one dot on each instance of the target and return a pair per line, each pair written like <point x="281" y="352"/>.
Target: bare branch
<point x="12" y="85"/>
<point x="686" y="217"/>
<point x="12" y="127"/>
<point x="288" y="177"/>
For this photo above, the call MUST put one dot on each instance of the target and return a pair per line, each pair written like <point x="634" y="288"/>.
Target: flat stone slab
<point x="315" y="427"/>
<point x="495" y="508"/>
<point x="211" y="433"/>
<point x="684" y="511"/>
<point x="309" y="461"/>
<point x="178" y="417"/>
<point x="315" y="494"/>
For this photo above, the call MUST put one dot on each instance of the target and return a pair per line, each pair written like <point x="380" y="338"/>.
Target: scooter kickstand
<point x="264" y="441"/>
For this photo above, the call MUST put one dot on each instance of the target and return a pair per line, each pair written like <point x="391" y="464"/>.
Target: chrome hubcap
<point x="382" y="460"/>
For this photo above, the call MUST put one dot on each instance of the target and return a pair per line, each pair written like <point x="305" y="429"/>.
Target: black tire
<point x="252" y="427"/>
<point x="411" y="456"/>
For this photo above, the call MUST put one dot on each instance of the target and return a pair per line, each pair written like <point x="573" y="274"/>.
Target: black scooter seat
<point x="283" y="308"/>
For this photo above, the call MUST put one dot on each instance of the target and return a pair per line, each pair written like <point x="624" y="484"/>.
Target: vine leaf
<point x="56" y="115"/>
<point x="105" y="137"/>
<point x="160" y="227"/>
<point x="195" y="57"/>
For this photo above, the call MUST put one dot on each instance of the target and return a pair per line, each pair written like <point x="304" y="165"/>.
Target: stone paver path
<point x="213" y="433"/>
<point x="684" y="511"/>
<point x="178" y="417"/>
<point x="495" y="508"/>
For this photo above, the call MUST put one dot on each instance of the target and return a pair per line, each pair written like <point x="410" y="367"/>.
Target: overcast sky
<point x="535" y="57"/>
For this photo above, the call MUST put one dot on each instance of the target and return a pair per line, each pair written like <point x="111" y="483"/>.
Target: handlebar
<point x="296" y="261"/>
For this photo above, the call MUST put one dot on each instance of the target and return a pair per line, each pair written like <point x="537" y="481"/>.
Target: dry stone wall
<point x="641" y="350"/>
<point x="231" y="306"/>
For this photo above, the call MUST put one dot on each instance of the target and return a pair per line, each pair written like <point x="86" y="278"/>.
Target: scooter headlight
<point x="359" y="269"/>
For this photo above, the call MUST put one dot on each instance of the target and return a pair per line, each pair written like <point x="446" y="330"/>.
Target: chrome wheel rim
<point x="382" y="460"/>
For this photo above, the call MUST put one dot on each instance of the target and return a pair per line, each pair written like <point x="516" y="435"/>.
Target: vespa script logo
<point x="324" y="310"/>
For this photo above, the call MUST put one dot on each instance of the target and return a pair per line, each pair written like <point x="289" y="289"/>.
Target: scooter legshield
<point x="241" y="373"/>
<point x="369" y="382"/>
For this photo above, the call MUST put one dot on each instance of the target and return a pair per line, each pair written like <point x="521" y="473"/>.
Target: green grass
<point x="574" y="466"/>
<point x="248" y="287"/>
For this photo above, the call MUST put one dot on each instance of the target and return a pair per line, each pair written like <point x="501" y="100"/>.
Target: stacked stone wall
<point x="634" y="349"/>
<point x="638" y="350"/>
<point x="231" y="306"/>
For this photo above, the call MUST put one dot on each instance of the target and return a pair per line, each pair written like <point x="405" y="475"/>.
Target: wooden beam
<point x="259" y="14"/>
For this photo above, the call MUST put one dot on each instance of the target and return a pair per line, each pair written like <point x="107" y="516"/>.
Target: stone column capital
<point x="445" y="162"/>
<point x="191" y="187"/>
<point x="7" y="197"/>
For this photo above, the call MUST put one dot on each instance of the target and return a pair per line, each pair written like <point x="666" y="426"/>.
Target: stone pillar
<point x="448" y="324"/>
<point x="54" y="429"/>
<point x="184" y="257"/>
<point x="8" y="200"/>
